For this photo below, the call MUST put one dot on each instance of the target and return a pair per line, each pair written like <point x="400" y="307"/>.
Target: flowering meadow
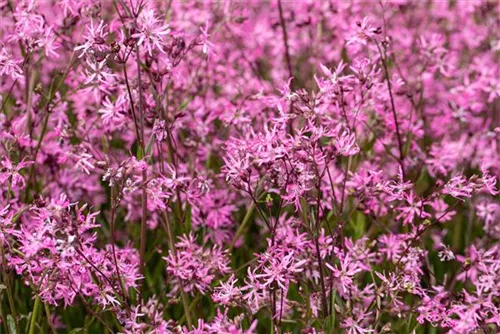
<point x="238" y="167"/>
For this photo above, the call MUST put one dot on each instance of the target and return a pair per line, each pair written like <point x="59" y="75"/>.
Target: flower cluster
<point x="249" y="166"/>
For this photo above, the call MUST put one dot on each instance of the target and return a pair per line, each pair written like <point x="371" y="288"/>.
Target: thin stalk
<point x="144" y="197"/>
<point x="34" y="314"/>
<point x="49" y="322"/>
<point x="285" y="40"/>
<point x="113" y="241"/>
<point x="131" y="100"/>
<point x="316" y="242"/>
<point x="242" y="227"/>
<point x="393" y="108"/>
<point x="87" y="306"/>
<point x="266" y="221"/>
<point x="6" y="281"/>
<point x="344" y="184"/>
<point x="30" y="84"/>
<point x="191" y="307"/>
<point x="171" y="243"/>
<point x="100" y="272"/>
<point x="322" y="279"/>
<point x="288" y="59"/>
<point x="52" y="94"/>
<point x="2" y="316"/>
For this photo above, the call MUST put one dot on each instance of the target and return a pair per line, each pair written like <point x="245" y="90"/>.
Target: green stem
<point x="49" y="321"/>
<point x="2" y="316"/>
<point x="6" y="281"/>
<point x="34" y="315"/>
<point x="183" y="294"/>
<point x="190" y="308"/>
<point x="242" y="227"/>
<point x="187" y="309"/>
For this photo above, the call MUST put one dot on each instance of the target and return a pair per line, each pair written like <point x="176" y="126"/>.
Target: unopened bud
<point x="467" y="264"/>
<point x="38" y="88"/>
<point x="115" y="47"/>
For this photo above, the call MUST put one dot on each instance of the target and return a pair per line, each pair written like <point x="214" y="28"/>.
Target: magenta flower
<point x="151" y="32"/>
<point x="344" y="274"/>
<point x="94" y="38"/>
<point x="279" y="268"/>
<point x="198" y="166"/>
<point x="414" y="208"/>
<point x="459" y="187"/>
<point x="11" y="173"/>
<point x="364" y="32"/>
<point x="354" y="326"/>
<point x="9" y="66"/>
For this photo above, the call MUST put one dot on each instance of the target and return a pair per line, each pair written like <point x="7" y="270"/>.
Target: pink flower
<point x="365" y="32"/>
<point x="7" y="226"/>
<point x="208" y="46"/>
<point x="98" y="72"/>
<point x="414" y="208"/>
<point x="354" y="326"/>
<point x="9" y="66"/>
<point x="345" y="144"/>
<point x="227" y="293"/>
<point x="114" y="112"/>
<point x="280" y="270"/>
<point x="193" y="267"/>
<point x="344" y="274"/>
<point x="95" y="38"/>
<point x="11" y="173"/>
<point x="458" y="187"/>
<point x="151" y="31"/>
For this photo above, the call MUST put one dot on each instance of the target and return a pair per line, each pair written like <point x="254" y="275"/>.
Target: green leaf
<point x="140" y="153"/>
<point x="185" y="104"/>
<point x="12" y="324"/>
<point x="358" y="225"/>
<point x="149" y="144"/>
<point x="330" y="324"/>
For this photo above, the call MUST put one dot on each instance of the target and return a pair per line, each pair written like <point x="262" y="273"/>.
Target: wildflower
<point x="151" y="31"/>
<point x="9" y="66"/>
<point x="337" y="82"/>
<point x="414" y="208"/>
<point x="11" y="172"/>
<point x="160" y="130"/>
<point x="365" y="32"/>
<point x="354" y="326"/>
<point x="489" y="213"/>
<point x="345" y="274"/>
<point x="488" y="181"/>
<point x="280" y="270"/>
<point x="7" y="226"/>
<point x="114" y="111"/>
<point x="446" y="254"/>
<point x="345" y="144"/>
<point x="143" y="156"/>
<point x="236" y="170"/>
<point x="98" y="72"/>
<point x="193" y="267"/>
<point x="208" y="46"/>
<point x="83" y="161"/>
<point x="227" y="293"/>
<point x="391" y="246"/>
<point x="458" y="187"/>
<point x="95" y="37"/>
